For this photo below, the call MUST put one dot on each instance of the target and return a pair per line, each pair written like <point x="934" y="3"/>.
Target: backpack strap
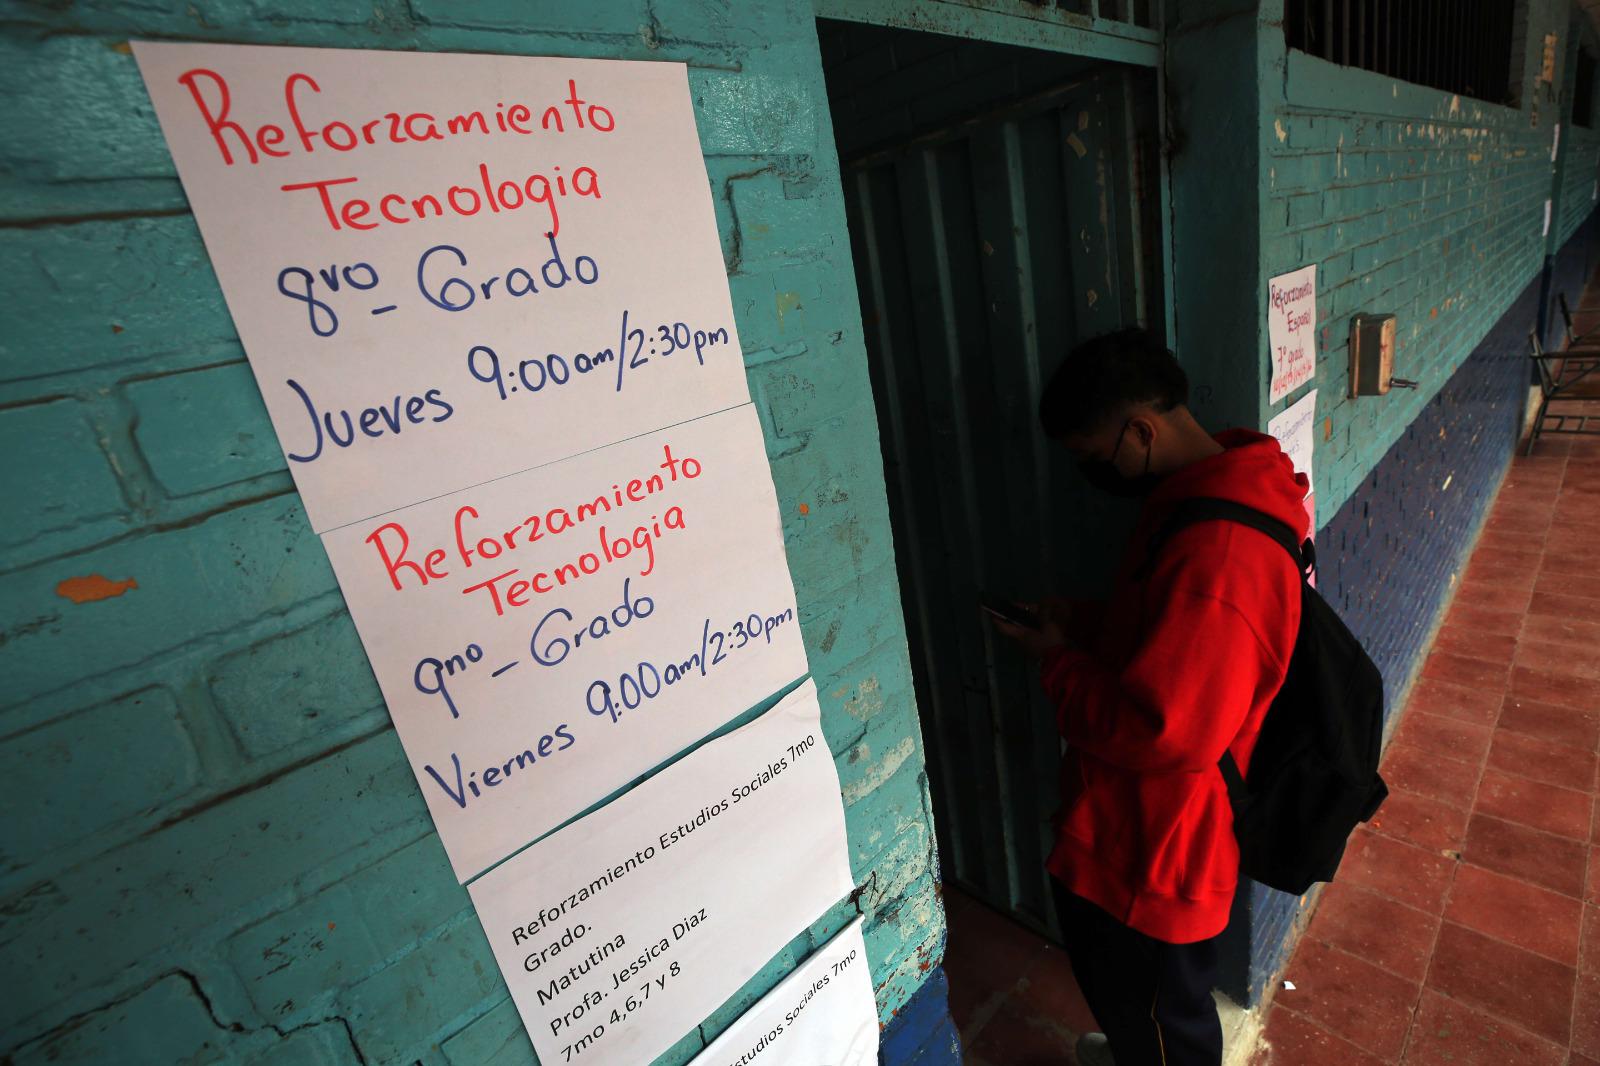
<point x="1209" y="509"/>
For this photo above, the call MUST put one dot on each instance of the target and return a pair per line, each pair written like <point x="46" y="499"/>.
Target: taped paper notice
<point x="1295" y="430"/>
<point x="447" y="268"/>
<point x="1292" y="330"/>
<point x="623" y="931"/>
<point x="822" y="1014"/>
<point x="545" y="638"/>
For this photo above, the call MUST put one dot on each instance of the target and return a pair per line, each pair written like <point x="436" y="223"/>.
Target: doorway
<point x="1002" y="205"/>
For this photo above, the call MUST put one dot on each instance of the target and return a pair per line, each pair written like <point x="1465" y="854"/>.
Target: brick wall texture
<point x="213" y="848"/>
<point x="1431" y="207"/>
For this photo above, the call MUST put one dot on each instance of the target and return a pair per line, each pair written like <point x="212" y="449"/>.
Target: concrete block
<point x="122" y="912"/>
<point x="295" y="686"/>
<point x="164" y="1023"/>
<point x="95" y="293"/>
<point x="494" y="1038"/>
<point x="68" y="479"/>
<point x="204" y="428"/>
<point x="337" y="937"/>
<point x="597" y="19"/>
<point x="158" y="592"/>
<point x="134" y="750"/>
<point x="755" y="112"/>
<point x="397" y="1013"/>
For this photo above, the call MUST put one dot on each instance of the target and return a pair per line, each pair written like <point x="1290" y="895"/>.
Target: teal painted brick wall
<point x="1410" y="201"/>
<point x="221" y="852"/>
<point x="1579" y="160"/>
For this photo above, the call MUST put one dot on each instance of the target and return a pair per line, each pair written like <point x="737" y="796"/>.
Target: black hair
<point x="1102" y="379"/>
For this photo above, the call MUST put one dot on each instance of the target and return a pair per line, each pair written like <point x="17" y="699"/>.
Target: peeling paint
<point x="1077" y="145"/>
<point x="93" y="587"/>
<point x="867" y="700"/>
<point x="787" y="302"/>
<point x="892" y="760"/>
<point x="1282" y="131"/>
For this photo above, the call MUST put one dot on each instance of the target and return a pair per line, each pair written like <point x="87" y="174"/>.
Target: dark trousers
<point x="1152" y="999"/>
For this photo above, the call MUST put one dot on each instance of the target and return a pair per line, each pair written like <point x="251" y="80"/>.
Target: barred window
<point x="1460" y="46"/>
<point x="1583" y="89"/>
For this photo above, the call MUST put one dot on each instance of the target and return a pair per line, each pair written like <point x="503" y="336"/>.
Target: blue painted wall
<point x="213" y="846"/>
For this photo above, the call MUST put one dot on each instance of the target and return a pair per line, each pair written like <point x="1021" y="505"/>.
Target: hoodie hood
<point x="1252" y="469"/>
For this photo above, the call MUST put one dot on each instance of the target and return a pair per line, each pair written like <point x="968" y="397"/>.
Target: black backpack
<point x="1314" y="770"/>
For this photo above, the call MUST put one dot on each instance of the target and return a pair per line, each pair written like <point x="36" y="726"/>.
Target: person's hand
<point x="1036" y="643"/>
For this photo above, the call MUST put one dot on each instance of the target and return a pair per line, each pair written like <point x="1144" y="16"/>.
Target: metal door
<point x="985" y="246"/>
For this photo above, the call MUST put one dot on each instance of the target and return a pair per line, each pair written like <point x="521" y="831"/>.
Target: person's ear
<point x="1143" y="427"/>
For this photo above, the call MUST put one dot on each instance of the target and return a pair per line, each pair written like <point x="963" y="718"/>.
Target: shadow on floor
<point x="1012" y="993"/>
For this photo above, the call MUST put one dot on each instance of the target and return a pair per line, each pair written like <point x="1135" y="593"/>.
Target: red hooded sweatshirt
<point x="1187" y="658"/>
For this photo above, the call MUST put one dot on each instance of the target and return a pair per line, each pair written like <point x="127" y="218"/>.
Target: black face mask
<point x="1103" y="473"/>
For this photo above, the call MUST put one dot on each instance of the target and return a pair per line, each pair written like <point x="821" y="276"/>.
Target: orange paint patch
<point x="1327" y="429"/>
<point x="1434" y="313"/>
<point x="94" y="587"/>
<point x="804" y="509"/>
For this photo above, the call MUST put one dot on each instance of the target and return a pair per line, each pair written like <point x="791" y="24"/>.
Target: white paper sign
<point x="621" y="932"/>
<point x="1295" y="430"/>
<point x="822" y="1014"/>
<point x="1292" y="330"/>
<point x="544" y="638"/>
<point x="447" y="268"/>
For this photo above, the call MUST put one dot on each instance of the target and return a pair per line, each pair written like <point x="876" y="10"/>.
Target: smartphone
<point x="1009" y="611"/>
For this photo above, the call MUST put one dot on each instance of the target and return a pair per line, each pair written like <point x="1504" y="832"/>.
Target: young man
<point x="1150" y="689"/>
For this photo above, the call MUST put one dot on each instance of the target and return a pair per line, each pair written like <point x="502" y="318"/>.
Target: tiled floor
<point x="1465" y="924"/>
<point x="1011" y="993"/>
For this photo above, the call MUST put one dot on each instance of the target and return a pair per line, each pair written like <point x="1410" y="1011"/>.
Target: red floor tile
<point x="1517" y="912"/>
<point x="1514" y="983"/>
<point x="1561" y="659"/>
<point x="1049" y="990"/>
<point x="1580" y="693"/>
<point x="1542" y="760"/>
<point x="1557" y="562"/>
<point x="1514" y="575"/>
<point x="1484" y="619"/>
<point x="1492" y="597"/>
<point x="1414" y="769"/>
<point x="1580" y="634"/>
<point x="1589" y="950"/>
<point x="1477" y="706"/>
<point x="1562" y="725"/>
<point x="1560" y="605"/>
<point x="1413" y="876"/>
<point x="1447" y="1033"/>
<point x="1532" y="803"/>
<point x="1587" y="587"/>
<point x="1427" y="823"/>
<point x="1488" y="647"/>
<point x="1016" y="1035"/>
<point x="1394" y="937"/>
<point x="1592" y="892"/>
<point x="1532" y="520"/>
<point x="1553" y="862"/>
<point x="1586" y="1017"/>
<point x="1351" y="997"/>
<point x="1290" y="1039"/>
<point x="1470" y="673"/>
<point x="1444" y="736"/>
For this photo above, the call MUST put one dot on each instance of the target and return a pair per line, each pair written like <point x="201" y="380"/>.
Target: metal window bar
<point x="1459" y="46"/>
